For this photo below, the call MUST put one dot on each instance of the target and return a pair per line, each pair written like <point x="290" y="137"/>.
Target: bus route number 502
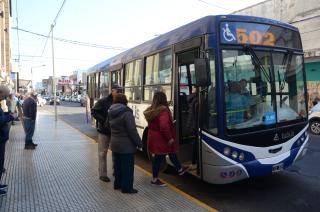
<point x="255" y="37"/>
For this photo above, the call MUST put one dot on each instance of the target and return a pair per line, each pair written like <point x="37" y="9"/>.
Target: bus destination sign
<point x="258" y="34"/>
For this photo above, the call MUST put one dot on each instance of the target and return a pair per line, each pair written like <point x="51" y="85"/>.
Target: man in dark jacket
<point x="5" y="119"/>
<point x="100" y="112"/>
<point x="29" y="119"/>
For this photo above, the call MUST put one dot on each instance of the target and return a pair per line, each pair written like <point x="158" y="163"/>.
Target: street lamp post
<point x="32" y="73"/>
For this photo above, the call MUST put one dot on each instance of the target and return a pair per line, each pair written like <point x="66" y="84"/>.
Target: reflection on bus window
<point x="150" y="90"/>
<point x="248" y="97"/>
<point x="158" y="74"/>
<point x="104" y="84"/>
<point x="133" y="93"/>
<point x="158" y="68"/>
<point x="291" y="103"/>
<point x="115" y="78"/>
<point x="132" y="80"/>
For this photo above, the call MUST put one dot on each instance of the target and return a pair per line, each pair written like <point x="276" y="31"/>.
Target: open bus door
<point x="187" y="109"/>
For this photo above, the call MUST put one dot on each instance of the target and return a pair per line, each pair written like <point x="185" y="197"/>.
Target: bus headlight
<point x="234" y="154"/>
<point x="241" y="156"/>
<point x="227" y="151"/>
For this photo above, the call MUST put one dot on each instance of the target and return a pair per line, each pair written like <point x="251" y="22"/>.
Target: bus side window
<point x="210" y="107"/>
<point x="132" y="81"/>
<point x="158" y="74"/>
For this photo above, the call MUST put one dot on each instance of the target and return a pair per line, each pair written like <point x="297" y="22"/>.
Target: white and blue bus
<point x="236" y="86"/>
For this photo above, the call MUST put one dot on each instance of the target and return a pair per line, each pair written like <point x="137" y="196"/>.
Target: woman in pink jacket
<point x="161" y="136"/>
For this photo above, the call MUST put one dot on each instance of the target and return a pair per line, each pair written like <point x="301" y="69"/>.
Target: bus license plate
<point x="277" y="168"/>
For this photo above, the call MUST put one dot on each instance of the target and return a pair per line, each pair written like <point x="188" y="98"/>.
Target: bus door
<point x="187" y="104"/>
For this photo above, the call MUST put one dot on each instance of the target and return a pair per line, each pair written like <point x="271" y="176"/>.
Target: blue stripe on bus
<point x="253" y="167"/>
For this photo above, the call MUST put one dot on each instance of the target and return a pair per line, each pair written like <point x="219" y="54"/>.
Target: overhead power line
<point x="59" y="58"/>
<point x="52" y="25"/>
<point x="72" y="41"/>
<point x="214" y="5"/>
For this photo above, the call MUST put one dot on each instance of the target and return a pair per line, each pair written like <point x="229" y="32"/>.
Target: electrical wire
<point x="73" y="41"/>
<point x="52" y="25"/>
<point x="59" y="58"/>
<point x="214" y="5"/>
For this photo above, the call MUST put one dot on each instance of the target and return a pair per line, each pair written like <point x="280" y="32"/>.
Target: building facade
<point x="5" y="48"/>
<point x="305" y="15"/>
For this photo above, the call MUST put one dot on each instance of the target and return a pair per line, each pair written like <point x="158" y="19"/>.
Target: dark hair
<point x="120" y="99"/>
<point x="159" y="98"/>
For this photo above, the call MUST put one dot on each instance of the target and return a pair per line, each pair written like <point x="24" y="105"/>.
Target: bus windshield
<point x="258" y="94"/>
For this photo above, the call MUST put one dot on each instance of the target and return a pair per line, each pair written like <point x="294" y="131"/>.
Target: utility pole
<point x="54" y="78"/>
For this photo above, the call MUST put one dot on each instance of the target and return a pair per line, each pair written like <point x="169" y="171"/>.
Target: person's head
<point x="34" y="95"/>
<point x="115" y="89"/>
<point x="159" y="98"/>
<point x="4" y="92"/>
<point x="120" y="98"/>
<point x="243" y="83"/>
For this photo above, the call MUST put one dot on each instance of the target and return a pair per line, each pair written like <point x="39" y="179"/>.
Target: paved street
<point x="295" y="189"/>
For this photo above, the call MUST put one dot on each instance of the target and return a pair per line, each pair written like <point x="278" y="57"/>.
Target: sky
<point x="110" y="23"/>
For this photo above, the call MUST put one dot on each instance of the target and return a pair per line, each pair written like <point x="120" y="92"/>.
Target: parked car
<point x="83" y="101"/>
<point x="67" y="98"/>
<point x="51" y="102"/>
<point x="74" y="99"/>
<point x="41" y="101"/>
<point x="314" y="119"/>
<point x="79" y="98"/>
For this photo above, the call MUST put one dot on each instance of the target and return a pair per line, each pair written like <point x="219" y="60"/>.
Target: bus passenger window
<point x="210" y="120"/>
<point x="104" y="84"/>
<point x="132" y="80"/>
<point x="158" y="74"/>
<point x="115" y="78"/>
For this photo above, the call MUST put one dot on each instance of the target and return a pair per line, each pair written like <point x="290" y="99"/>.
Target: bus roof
<point x="205" y="25"/>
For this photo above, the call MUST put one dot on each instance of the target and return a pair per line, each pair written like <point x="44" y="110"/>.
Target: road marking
<point x="172" y="187"/>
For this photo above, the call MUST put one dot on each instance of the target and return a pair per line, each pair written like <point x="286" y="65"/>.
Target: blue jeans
<point x="158" y="159"/>
<point x="29" y="126"/>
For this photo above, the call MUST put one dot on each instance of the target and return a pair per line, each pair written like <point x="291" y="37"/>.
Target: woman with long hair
<point x="161" y="136"/>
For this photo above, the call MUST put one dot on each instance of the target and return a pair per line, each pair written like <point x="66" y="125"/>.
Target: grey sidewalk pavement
<point x="62" y="175"/>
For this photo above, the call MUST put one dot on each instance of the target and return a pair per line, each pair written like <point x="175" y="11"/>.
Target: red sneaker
<point x="158" y="183"/>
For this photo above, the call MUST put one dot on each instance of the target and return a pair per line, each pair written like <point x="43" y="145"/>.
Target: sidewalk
<point x="62" y="175"/>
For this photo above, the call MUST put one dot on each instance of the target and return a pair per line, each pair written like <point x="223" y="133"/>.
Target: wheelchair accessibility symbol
<point x="227" y="34"/>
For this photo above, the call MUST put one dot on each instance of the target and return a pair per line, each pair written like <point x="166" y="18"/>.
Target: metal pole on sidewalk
<point x="54" y="78"/>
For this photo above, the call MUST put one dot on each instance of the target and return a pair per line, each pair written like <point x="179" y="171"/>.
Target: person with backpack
<point x="100" y="112"/>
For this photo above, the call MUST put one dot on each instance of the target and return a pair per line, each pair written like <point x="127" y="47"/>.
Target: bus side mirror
<point x="202" y="72"/>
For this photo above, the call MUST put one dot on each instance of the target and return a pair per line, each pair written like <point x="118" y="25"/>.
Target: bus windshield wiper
<point x="286" y="62"/>
<point x="257" y="61"/>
